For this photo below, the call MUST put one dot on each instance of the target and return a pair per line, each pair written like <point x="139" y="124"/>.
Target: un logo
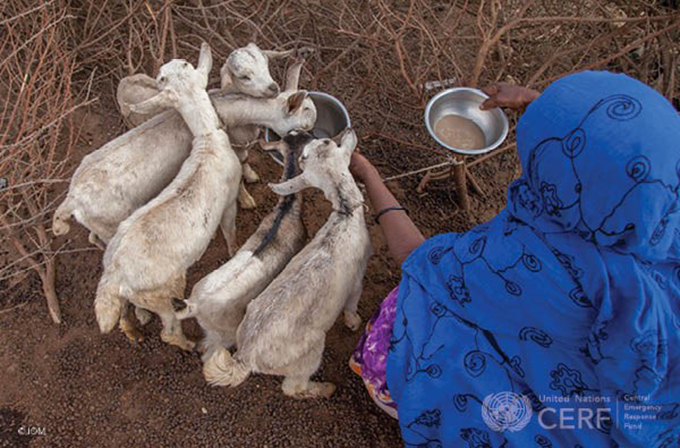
<point x="506" y="411"/>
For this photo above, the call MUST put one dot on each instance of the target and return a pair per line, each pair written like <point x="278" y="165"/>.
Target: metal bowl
<point x="464" y="102"/>
<point x="331" y="119"/>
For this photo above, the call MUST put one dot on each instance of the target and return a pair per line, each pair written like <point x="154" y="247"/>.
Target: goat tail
<point x="60" y="225"/>
<point x="222" y="369"/>
<point x="107" y="306"/>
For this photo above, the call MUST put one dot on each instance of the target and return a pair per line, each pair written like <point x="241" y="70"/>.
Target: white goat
<point x="284" y="329"/>
<point x="219" y="300"/>
<point x="243" y="72"/>
<point x="147" y="259"/>
<point x="246" y="70"/>
<point x="127" y="172"/>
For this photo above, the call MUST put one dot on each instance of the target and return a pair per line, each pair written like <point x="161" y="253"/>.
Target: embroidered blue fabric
<point x="569" y="298"/>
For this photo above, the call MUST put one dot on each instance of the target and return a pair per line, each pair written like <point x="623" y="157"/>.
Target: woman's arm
<point x="508" y="95"/>
<point x="401" y="234"/>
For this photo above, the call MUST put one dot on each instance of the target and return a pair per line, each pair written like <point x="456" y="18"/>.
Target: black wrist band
<point x="386" y="210"/>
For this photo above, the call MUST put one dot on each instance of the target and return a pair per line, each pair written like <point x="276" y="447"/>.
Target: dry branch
<point x="36" y="132"/>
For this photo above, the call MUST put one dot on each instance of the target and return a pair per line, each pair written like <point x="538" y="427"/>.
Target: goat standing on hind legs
<point x="245" y="71"/>
<point x="115" y="180"/>
<point x="284" y="329"/>
<point x="146" y="261"/>
<point x="219" y="300"/>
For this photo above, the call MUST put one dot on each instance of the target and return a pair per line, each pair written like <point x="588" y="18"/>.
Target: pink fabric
<point x="369" y="359"/>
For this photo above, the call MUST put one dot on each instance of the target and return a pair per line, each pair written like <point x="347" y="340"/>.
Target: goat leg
<point x="96" y="241"/>
<point x="172" y="327"/>
<point x="245" y="200"/>
<point x="352" y="318"/>
<point x="296" y="381"/>
<point x="249" y="174"/>
<point x="161" y="304"/>
<point x="228" y="226"/>
<point x="127" y="326"/>
<point x="172" y="331"/>
<point x="301" y="387"/>
<point x="143" y="316"/>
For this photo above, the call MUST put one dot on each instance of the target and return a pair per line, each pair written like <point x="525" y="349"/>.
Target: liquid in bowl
<point x="459" y="132"/>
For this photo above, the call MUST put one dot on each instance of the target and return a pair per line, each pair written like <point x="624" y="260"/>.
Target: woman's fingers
<point x="507" y="95"/>
<point x="492" y="101"/>
<point x="357" y="164"/>
<point x="491" y="90"/>
<point x="489" y="104"/>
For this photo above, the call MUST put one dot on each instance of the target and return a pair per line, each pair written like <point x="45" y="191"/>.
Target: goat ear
<point x="293" y="76"/>
<point x="166" y="98"/>
<point x="271" y="54"/>
<point x="348" y="140"/>
<point x="205" y="61"/>
<point x="338" y="137"/>
<point x="291" y="186"/>
<point x="295" y="101"/>
<point x="225" y="76"/>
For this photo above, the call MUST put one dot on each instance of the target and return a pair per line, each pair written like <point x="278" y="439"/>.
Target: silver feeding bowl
<point x="331" y="119"/>
<point x="464" y="102"/>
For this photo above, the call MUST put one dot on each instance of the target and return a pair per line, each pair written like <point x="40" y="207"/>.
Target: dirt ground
<point x="67" y="385"/>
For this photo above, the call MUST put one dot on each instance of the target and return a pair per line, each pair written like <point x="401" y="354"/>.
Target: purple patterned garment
<point x="369" y="359"/>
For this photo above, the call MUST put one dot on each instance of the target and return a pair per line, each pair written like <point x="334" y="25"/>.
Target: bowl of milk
<point x="454" y="119"/>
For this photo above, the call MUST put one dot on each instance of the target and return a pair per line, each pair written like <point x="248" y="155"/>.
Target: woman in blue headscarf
<point x="557" y="323"/>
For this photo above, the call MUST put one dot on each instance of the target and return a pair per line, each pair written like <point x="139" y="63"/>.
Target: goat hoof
<point x="326" y="389"/>
<point x="143" y="316"/>
<point x="352" y="321"/>
<point x="249" y="174"/>
<point x="247" y="202"/>
<point x="185" y="345"/>
<point x="96" y="241"/>
<point x="182" y="342"/>
<point x="133" y="334"/>
<point x="252" y="179"/>
<point x="316" y="390"/>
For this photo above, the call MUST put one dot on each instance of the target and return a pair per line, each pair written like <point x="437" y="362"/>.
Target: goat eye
<point x="244" y="78"/>
<point x="162" y="79"/>
<point x="186" y="64"/>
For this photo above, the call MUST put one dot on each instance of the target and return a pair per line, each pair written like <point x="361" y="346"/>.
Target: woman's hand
<point x="401" y="234"/>
<point x="508" y="95"/>
<point x="360" y="167"/>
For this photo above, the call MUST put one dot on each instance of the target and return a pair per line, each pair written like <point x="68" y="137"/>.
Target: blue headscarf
<point x="557" y="323"/>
